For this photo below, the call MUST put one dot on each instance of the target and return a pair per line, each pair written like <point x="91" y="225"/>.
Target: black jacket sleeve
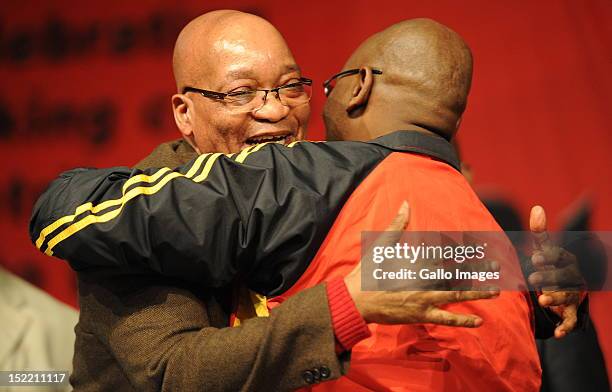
<point x="261" y="213"/>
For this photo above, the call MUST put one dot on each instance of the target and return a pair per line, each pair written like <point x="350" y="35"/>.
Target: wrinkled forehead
<point x="263" y="60"/>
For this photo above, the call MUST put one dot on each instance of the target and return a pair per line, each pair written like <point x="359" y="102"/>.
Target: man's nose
<point x="272" y="110"/>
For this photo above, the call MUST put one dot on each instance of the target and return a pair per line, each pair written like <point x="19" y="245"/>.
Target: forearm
<point x="131" y="219"/>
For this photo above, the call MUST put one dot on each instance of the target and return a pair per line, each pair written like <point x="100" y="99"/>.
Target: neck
<point x="406" y="126"/>
<point x="410" y="115"/>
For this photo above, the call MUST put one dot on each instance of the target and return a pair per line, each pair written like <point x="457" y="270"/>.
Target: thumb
<point x="537" y="225"/>
<point x="393" y="233"/>
<point x="401" y="219"/>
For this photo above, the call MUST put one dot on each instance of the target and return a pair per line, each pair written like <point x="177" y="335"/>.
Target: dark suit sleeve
<point x="262" y="212"/>
<point x="169" y="345"/>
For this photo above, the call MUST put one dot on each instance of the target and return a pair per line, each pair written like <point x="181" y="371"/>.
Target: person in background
<point x="36" y="330"/>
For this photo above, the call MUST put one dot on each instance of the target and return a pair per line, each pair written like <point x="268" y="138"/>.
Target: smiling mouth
<point x="283" y="139"/>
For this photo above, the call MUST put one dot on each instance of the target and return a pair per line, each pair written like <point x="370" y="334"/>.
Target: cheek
<point x="302" y="116"/>
<point x="236" y="126"/>
<point x="329" y="117"/>
<point x="334" y="110"/>
<point x="211" y="128"/>
<point x="216" y="124"/>
<point x="227" y="132"/>
<point x="202" y="129"/>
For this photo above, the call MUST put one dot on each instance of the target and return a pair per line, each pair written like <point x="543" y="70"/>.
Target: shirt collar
<point x="420" y="143"/>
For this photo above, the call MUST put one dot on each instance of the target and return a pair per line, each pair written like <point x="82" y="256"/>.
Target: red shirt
<point x="498" y="356"/>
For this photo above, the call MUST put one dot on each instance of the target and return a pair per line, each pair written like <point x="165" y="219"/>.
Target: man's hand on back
<point x="409" y="307"/>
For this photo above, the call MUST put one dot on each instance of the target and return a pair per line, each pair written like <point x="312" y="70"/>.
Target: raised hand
<point x="557" y="273"/>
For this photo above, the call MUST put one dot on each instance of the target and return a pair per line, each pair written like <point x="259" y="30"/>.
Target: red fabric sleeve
<point x="349" y="326"/>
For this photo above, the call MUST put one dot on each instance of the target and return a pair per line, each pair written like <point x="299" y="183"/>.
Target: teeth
<point x="263" y="139"/>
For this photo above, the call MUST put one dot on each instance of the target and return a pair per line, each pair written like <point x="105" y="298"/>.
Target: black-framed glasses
<point x="330" y="83"/>
<point x="247" y="100"/>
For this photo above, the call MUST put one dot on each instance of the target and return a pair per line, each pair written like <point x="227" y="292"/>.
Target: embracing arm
<point x="270" y="204"/>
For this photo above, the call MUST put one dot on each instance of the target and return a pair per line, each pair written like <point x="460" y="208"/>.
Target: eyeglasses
<point x="330" y="83"/>
<point x="249" y="100"/>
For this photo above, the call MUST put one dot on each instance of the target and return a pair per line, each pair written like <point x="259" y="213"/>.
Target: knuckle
<point x="447" y="320"/>
<point x="457" y="296"/>
<point x="555" y="254"/>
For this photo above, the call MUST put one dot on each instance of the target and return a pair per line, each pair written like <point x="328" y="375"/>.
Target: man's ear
<point x="361" y="91"/>
<point x="182" y="108"/>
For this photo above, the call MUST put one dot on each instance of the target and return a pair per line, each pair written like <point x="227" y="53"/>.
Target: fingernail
<point x="477" y="322"/>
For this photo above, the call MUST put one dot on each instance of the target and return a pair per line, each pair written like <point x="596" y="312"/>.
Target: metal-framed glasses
<point x="330" y="83"/>
<point x="245" y="100"/>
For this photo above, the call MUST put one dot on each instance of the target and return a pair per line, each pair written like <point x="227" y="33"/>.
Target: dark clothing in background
<point x="574" y="363"/>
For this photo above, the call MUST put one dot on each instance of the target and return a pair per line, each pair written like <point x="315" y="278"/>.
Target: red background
<point x="88" y="84"/>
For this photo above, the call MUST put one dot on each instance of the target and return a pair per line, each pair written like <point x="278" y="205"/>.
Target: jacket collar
<point x="421" y="143"/>
<point x="170" y="154"/>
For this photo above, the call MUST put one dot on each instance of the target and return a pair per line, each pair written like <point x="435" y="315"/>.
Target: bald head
<point x="213" y="36"/>
<point x="427" y="73"/>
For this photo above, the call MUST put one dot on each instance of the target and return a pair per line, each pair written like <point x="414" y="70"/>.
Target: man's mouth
<point x="284" y="138"/>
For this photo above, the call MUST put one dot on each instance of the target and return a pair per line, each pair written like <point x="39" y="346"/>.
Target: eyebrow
<point x="291" y="68"/>
<point x="247" y="73"/>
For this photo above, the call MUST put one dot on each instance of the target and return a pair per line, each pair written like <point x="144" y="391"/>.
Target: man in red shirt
<point x="426" y="75"/>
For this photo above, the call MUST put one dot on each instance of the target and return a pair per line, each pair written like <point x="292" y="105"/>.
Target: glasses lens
<point x="290" y="95"/>
<point x="240" y="98"/>
<point x="295" y="94"/>
<point x="245" y="101"/>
